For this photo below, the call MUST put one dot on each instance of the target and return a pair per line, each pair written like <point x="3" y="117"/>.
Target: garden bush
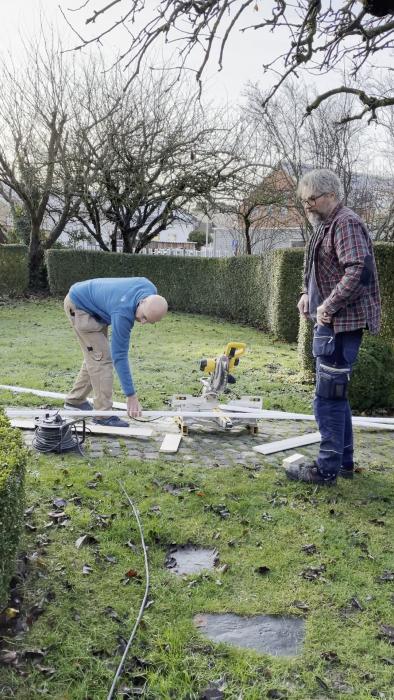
<point x="12" y="469"/>
<point x="14" y="276"/>
<point x="258" y="291"/>
<point x="372" y="382"/>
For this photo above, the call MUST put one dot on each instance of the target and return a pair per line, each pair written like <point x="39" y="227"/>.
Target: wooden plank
<point x="171" y="442"/>
<point x="11" y="412"/>
<point x="255" y="413"/>
<point x="91" y="428"/>
<point x="269" y="448"/>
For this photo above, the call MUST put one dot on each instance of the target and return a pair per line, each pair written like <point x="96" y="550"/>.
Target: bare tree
<point x="35" y="165"/>
<point x="318" y="142"/>
<point x="320" y="35"/>
<point x="153" y="155"/>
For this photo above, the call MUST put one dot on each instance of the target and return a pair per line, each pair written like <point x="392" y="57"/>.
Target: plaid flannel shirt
<point x="345" y="269"/>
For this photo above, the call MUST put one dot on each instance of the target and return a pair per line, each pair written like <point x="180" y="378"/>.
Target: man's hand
<point x="303" y="305"/>
<point x="323" y="318"/>
<point x="134" y="408"/>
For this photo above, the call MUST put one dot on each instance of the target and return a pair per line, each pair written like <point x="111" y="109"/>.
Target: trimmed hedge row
<point x="14" y="275"/>
<point x="261" y="292"/>
<point x="12" y="470"/>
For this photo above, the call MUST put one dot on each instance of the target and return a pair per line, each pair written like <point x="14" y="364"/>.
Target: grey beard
<point x="315" y="219"/>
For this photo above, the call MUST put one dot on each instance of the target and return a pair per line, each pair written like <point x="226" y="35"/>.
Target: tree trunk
<point x="38" y="279"/>
<point x="247" y="237"/>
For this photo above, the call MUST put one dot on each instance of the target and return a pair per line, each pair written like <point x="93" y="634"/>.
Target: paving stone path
<point x="211" y="447"/>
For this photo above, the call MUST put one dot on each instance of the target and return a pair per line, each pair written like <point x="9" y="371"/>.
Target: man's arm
<point x="120" y="341"/>
<point x="351" y="247"/>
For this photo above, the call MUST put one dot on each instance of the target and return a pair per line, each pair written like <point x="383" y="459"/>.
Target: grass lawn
<point x="78" y="605"/>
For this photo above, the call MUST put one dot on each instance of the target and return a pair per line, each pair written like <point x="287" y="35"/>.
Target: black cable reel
<point x="56" y="434"/>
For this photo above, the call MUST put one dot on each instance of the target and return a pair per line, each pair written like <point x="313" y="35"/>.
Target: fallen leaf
<point x="110" y="559"/>
<point x="386" y="632"/>
<point x="300" y="605"/>
<point x="85" y="539"/>
<point x="8" y="657"/>
<point x="58" y="515"/>
<point x="11" y="613"/>
<point x="330" y="656"/>
<point x="386" y="576"/>
<point x="59" y="502"/>
<point x="46" y="670"/>
<point x="111" y="613"/>
<point x="322" y="683"/>
<point x="309" y="549"/>
<point x="313" y="572"/>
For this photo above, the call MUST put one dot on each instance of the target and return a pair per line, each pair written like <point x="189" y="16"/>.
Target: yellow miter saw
<point x="219" y="370"/>
<point x="217" y="375"/>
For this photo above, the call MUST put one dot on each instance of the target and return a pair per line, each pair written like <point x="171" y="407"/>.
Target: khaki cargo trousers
<point x="97" y="370"/>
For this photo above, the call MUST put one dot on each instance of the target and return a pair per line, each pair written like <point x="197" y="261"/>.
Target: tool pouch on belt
<point x="332" y="382"/>
<point x="323" y="341"/>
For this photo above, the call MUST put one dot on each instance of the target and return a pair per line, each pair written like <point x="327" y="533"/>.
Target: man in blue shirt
<point x="91" y="307"/>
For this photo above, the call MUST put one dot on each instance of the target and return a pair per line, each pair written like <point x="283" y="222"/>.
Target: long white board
<point x="131" y="432"/>
<point x="269" y="448"/>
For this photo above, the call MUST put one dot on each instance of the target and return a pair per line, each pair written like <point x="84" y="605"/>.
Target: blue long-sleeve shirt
<point x="113" y="301"/>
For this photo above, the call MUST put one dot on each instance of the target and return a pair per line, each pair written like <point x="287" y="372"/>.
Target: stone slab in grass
<point x="191" y="560"/>
<point x="269" y="634"/>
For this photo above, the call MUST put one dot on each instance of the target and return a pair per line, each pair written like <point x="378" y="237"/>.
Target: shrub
<point x="14" y="276"/>
<point x="12" y="469"/>
<point x="384" y="254"/>
<point x="372" y="383"/>
<point x="245" y="289"/>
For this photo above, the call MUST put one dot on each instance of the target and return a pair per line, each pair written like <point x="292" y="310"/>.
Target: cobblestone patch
<point x="214" y="448"/>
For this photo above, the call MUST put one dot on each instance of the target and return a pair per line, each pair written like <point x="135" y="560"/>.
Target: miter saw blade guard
<point x="217" y="381"/>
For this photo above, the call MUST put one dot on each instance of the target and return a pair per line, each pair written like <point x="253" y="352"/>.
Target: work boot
<point x="346" y="472"/>
<point x="310" y="474"/>
<point x="84" y="406"/>
<point x="112" y="422"/>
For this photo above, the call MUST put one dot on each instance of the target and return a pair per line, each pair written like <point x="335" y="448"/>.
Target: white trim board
<point x="269" y="448"/>
<point x="170" y="443"/>
<point x="28" y="412"/>
<point x="92" y="428"/>
<point x="255" y="413"/>
<point x="211" y="415"/>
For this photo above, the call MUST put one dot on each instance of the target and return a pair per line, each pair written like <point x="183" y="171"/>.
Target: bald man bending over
<point x="91" y="307"/>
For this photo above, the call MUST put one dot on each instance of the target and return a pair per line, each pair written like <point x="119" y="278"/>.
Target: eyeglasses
<point x="312" y="200"/>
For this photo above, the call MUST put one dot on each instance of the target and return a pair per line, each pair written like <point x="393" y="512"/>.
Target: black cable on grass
<point x="147" y="420"/>
<point x="144" y="600"/>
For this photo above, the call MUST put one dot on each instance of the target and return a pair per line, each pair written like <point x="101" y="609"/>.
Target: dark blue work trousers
<point x="335" y="356"/>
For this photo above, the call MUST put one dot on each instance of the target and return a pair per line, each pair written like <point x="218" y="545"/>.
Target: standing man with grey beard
<point x="341" y="296"/>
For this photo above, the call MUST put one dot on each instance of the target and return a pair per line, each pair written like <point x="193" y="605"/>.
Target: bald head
<point x="151" y="309"/>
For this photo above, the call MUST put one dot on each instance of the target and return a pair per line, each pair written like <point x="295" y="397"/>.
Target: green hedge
<point x="384" y="255"/>
<point x="261" y="292"/>
<point x="14" y="275"/>
<point x="12" y="469"/>
<point x="372" y="382"/>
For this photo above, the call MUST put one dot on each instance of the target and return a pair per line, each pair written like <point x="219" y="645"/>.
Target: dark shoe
<point x="84" y="406"/>
<point x="112" y="422"/>
<point x="310" y="474"/>
<point x="346" y="472"/>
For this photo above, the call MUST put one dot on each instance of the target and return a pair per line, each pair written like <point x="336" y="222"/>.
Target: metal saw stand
<point x="246" y="404"/>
